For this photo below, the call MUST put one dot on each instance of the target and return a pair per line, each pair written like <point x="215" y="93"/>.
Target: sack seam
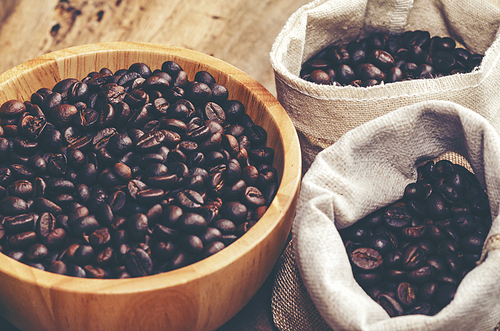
<point x="399" y="17"/>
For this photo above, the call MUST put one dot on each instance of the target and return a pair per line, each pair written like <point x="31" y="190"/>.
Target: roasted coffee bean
<point x="413" y="233"/>
<point x="12" y="108"/>
<point x="85" y="225"/>
<point x="472" y="243"/>
<point x="380" y="243"/>
<point x="119" y="144"/>
<point x="105" y="257"/>
<point x="436" y="207"/>
<point x="150" y="196"/>
<point x="366" y="259"/>
<point x="36" y="252"/>
<point x="225" y="226"/>
<point x="138" y="262"/>
<point x="46" y="224"/>
<point x="62" y="115"/>
<point x="99" y="237"/>
<point x="414" y="257"/>
<point x="397" y="217"/>
<point x="395" y="74"/>
<point x="137" y="226"/>
<point x="21" y="188"/>
<point x="212" y="248"/>
<point x="367" y="71"/>
<point x="58" y="267"/>
<point x="192" y="223"/>
<point x="55" y="239"/>
<point x="391" y="306"/>
<point x="83" y="255"/>
<point x="320" y="77"/>
<point x="42" y="205"/>
<point x="420" y="275"/>
<point x="406" y="294"/>
<point x="19" y="223"/>
<point x="12" y="205"/>
<point x="191" y="244"/>
<point x="189" y="199"/>
<point x="22" y="240"/>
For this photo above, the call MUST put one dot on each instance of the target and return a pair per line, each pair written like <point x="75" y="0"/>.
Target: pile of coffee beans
<point x="410" y="256"/>
<point x="388" y="58"/>
<point x="129" y="173"/>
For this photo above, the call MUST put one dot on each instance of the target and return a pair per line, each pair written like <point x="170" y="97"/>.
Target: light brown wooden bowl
<point x="201" y="296"/>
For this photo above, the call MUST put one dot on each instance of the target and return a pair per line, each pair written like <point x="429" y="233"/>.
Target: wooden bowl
<point x="201" y="296"/>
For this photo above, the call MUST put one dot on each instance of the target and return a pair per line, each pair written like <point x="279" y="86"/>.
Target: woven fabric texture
<point x="323" y="113"/>
<point x="366" y="169"/>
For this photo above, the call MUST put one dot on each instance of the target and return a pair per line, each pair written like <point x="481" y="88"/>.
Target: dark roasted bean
<point x="85" y="225"/>
<point x="13" y="206"/>
<point x="391" y="306"/>
<point x="192" y="223"/>
<point x="366" y="259"/>
<point x="55" y="238"/>
<point x="138" y="262"/>
<point x="19" y="223"/>
<point x="137" y="226"/>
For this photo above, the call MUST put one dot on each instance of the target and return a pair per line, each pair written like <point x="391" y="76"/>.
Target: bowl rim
<point x="290" y="181"/>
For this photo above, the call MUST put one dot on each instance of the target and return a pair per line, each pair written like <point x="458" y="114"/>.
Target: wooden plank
<point x="236" y="31"/>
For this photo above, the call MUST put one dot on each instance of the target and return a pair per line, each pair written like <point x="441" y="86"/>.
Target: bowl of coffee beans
<point x="142" y="187"/>
<point x="383" y="58"/>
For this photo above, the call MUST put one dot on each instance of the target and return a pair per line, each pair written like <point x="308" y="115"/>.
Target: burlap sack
<point x="322" y="114"/>
<point x="364" y="170"/>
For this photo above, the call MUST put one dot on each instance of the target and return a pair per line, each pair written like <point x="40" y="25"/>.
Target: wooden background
<point x="240" y="32"/>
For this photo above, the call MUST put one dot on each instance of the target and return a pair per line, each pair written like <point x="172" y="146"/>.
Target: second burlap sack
<point x="365" y="170"/>
<point x="322" y="114"/>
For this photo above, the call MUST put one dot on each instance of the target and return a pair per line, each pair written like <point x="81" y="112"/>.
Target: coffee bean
<point x="391" y="306"/>
<point x="19" y="223"/>
<point x="12" y="205"/>
<point x="46" y="224"/>
<point x="85" y="225"/>
<point x="22" y="240"/>
<point x="212" y="248"/>
<point x="138" y="263"/>
<point x="55" y="239"/>
<point x="397" y="217"/>
<point x="366" y="259"/>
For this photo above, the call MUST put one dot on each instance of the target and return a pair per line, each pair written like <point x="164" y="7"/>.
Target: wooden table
<point x="240" y="32"/>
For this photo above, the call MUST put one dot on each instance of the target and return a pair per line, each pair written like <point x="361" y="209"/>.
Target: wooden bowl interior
<point x="201" y="296"/>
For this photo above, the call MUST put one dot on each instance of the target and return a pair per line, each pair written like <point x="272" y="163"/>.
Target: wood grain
<point x="201" y="296"/>
<point x="238" y="32"/>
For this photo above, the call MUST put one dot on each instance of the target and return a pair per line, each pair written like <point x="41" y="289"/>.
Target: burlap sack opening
<point x="322" y="114"/>
<point x="366" y="169"/>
